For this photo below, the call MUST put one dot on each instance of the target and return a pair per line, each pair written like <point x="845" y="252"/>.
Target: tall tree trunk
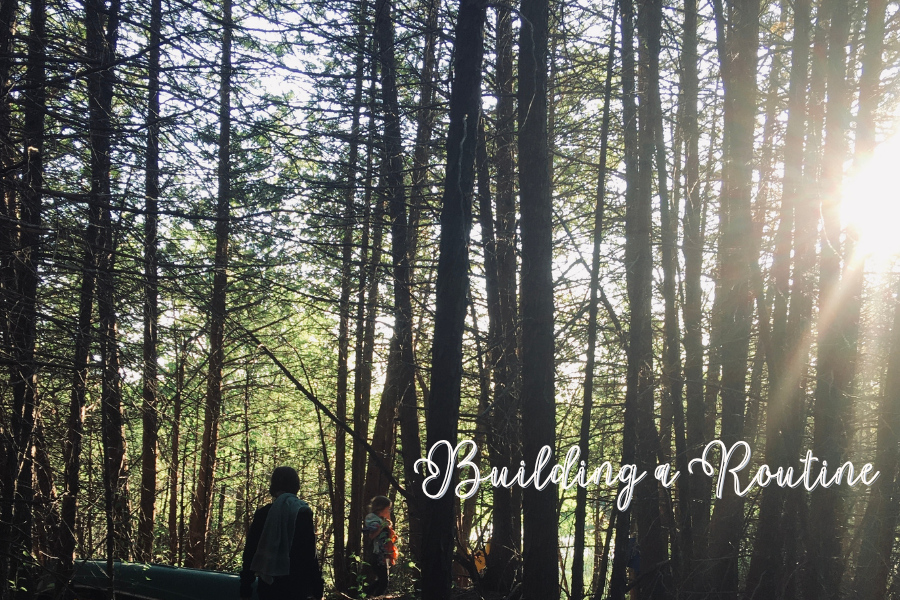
<point x="830" y="435"/>
<point x="469" y="506"/>
<point x="75" y="421"/>
<point x="651" y="537"/>
<point x="739" y="76"/>
<point x="340" y="452"/>
<point x="9" y="463"/>
<point x="504" y="416"/>
<point x="692" y="311"/>
<point x="452" y="286"/>
<point x="767" y="576"/>
<point x="541" y="542"/>
<point x="584" y="438"/>
<point x="619" y="580"/>
<point x="21" y="318"/>
<point x="150" y="435"/>
<point x="806" y="220"/>
<point x="101" y="35"/>
<point x="202" y="500"/>
<point x="400" y="257"/>
<point x="673" y="382"/>
<point x="880" y="520"/>
<point x="367" y="305"/>
<point x="384" y="436"/>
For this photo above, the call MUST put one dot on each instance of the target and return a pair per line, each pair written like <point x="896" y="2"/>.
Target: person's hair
<point x="284" y="479"/>
<point x="379" y="503"/>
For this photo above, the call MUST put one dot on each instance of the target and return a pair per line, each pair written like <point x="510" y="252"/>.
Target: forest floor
<point x="458" y="594"/>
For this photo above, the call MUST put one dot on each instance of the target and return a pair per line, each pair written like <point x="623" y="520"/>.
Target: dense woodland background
<point x="328" y="234"/>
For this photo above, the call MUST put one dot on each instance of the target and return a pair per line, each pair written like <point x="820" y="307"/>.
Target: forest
<point x="347" y="236"/>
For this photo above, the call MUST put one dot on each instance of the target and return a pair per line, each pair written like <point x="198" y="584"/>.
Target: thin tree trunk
<point x="384" y="436"/>
<point x="22" y="317"/>
<point x="101" y="35"/>
<point x="739" y="76"/>
<point x="9" y="451"/>
<point x="470" y="505"/>
<point x="402" y="267"/>
<point x="175" y="451"/>
<point x="619" y="581"/>
<point x="584" y="439"/>
<point x="424" y="125"/>
<point x="693" y="488"/>
<point x="869" y="83"/>
<point x="830" y="436"/>
<point x="150" y="435"/>
<point x="673" y="382"/>
<point x="202" y="500"/>
<point x="367" y="301"/>
<point x="766" y="578"/>
<point x="46" y="521"/>
<point x="340" y="452"/>
<point x="806" y="218"/>
<point x="504" y="416"/>
<point x="873" y="565"/>
<point x="503" y="564"/>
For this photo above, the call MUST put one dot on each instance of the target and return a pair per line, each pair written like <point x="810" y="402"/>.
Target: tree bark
<point x="766" y="578"/>
<point x="202" y="501"/>
<point x="833" y="361"/>
<point x="673" y="381"/>
<point x="452" y="286"/>
<point x="880" y="520"/>
<point x="402" y="267"/>
<point x="21" y="291"/>
<point x="9" y="464"/>
<point x="150" y="418"/>
<point x="343" y="373"/>
<point x="175" y="452"/>
<point x="504" y="416"/>
<point x="619" y="578"/>
<point x="739" y="77"/>
<point x="540" y="543"/>
<point x="584" y="438"/>
<point x="362" y="487"/>
<point x="692" y="310"/>
<point x="873" y="565"/>
<point x="101" y="35"/>
<point x="651" y="537"/>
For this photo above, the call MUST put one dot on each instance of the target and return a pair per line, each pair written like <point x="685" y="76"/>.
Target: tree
<point x="150" y="435"/>
<point x="504" y="431"/>
<point x="202" y="501"/>
<point x="540" y="578"/>
<point x="451" y="291"/>
<point x="739" y="78"/>
<point x="403" y="358"/>
<point x="593" y="310"/>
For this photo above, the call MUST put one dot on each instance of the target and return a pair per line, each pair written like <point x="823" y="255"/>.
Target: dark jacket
<point x="305" y="579"/>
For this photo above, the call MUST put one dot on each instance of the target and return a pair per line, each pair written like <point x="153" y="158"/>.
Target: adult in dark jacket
<point x="281" y="545"/>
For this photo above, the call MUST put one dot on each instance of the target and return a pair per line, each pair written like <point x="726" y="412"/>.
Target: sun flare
<point x="871" y="202"/>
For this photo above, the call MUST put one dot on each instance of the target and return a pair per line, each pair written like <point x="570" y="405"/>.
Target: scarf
<point x="273" y="554"/>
